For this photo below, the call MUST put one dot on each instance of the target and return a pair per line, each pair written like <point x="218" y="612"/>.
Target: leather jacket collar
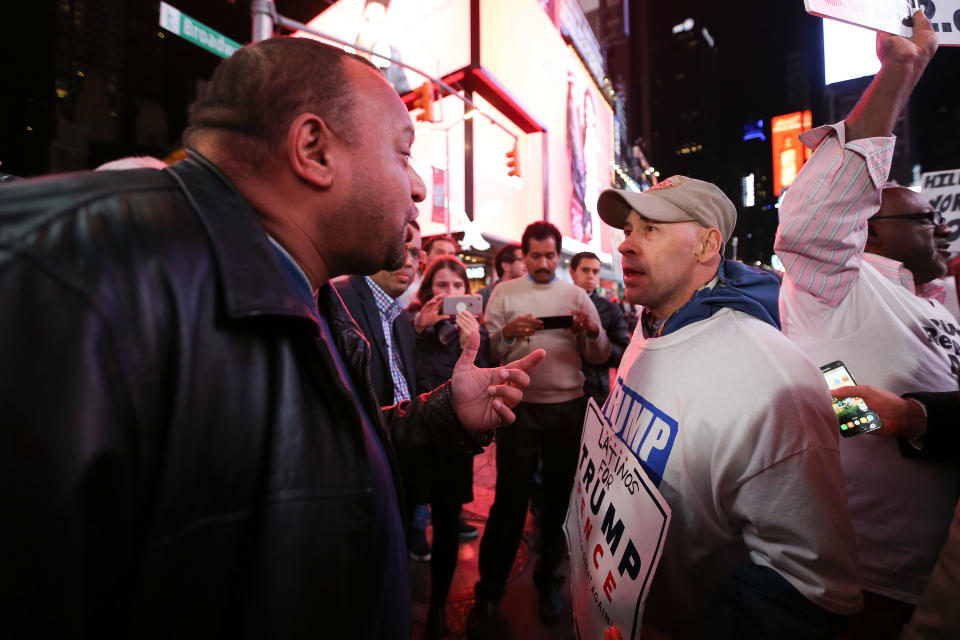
<point x="250" y="273"/>
<point x="254" y="283"/>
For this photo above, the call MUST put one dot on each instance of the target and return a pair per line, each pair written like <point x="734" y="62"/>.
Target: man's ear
<point x="710" y="243"/>
<point x="310" y="150"/>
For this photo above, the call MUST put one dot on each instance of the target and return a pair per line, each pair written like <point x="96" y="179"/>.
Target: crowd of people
<point x="231" y="389"/>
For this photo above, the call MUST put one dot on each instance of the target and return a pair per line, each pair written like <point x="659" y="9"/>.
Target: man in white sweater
<point x="734" y="426"/>
<point x="548" y="422"/>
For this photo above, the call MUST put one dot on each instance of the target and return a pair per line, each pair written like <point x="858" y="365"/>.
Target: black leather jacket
<point x="596" y="383"/>
<point x="178" y="457"/>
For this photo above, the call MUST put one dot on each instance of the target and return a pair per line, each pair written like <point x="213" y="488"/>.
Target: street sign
<point x="179" y="23"/>
<point x="889" y="15"/>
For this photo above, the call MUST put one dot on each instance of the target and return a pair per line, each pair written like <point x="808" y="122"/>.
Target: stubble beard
<point x="398" y="253"/>
<point x="374" y="215"/>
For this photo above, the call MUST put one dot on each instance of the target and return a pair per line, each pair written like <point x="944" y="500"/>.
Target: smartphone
<point x="853" y="413"/>
<point x="556" y="322"/>
<point x="452" y="305"/>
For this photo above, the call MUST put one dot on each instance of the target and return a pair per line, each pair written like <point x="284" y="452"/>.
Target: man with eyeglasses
<point x="859" y="256"/>
<point x="372" y="301"/>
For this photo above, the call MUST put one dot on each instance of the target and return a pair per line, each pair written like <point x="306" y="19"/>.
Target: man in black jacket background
<point x="188" y="441"/>
<point x="585" y="271"/>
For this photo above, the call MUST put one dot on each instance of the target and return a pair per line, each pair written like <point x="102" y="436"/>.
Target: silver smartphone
<point x="452" y="305"/>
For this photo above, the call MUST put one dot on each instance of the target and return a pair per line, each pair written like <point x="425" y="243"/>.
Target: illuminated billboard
<point x="544" y="101"/>
<point x="557" y="90"/>
<point x="849" y="52"/>
<point x="430" y="35"/>
<point x="788" y="153"/>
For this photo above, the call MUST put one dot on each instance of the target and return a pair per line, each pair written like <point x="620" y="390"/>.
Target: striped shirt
<point x="823" y="223"/>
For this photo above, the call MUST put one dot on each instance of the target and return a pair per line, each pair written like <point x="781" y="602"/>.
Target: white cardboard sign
<point x="616" y="526"/>
<point x="889" y="15"/>
<point x="942" y="189"/>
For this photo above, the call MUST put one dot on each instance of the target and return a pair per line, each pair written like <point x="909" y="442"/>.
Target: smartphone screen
<point x="556" y="322"/>
<point x="854" y="415"/>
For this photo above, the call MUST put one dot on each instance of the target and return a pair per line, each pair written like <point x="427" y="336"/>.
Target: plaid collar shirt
<point x="389" y="310"/>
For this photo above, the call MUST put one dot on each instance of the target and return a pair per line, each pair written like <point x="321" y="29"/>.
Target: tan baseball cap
<point x="676" y="199"/>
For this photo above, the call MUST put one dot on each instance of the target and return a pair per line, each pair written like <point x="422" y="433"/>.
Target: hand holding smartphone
<point x="556" y="322"/>
<point x="854" y="415"/>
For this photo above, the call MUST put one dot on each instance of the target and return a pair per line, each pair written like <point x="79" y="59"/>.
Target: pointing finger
<point x="528" y="362"/>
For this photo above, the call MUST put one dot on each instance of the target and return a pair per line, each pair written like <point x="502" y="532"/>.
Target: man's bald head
<point x="255" y="94"/>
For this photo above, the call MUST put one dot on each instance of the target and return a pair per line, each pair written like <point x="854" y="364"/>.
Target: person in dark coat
<point x="440" y="342"/>
<point x="585" y="271"/>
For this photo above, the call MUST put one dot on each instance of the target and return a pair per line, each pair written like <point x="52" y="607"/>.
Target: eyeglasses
<point x="929" y="217"/>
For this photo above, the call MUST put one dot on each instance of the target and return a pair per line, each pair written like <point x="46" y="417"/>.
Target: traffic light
<point x="423" y="99"/>
<point x="513" y="162"/>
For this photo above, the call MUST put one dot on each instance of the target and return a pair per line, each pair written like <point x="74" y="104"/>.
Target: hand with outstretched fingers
<point x="483" y="398"/>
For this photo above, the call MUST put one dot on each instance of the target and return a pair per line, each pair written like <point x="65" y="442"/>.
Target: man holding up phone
<point x="859" y="254"/>
<point x="548" y="421"/>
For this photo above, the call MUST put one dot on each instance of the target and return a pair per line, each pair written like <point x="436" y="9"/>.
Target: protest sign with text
<point x="616" y="525"/>
<point x="893" y="16"/>
<point x="942" y="189"/>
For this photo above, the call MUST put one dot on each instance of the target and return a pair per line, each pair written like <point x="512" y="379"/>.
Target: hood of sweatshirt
<point x="739" y="287"/>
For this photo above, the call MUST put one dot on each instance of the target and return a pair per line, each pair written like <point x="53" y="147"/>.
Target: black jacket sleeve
<point x="615" y="324"/>
<point x="942" y="441"/>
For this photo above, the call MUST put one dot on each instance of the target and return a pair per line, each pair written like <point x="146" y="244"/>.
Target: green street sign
<point x="175" y="21"/>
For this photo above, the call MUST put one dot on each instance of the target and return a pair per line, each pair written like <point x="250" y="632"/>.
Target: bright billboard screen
<point x="431" y="35"/>
<point x="564" y="165"/>
<point x="788" y="153"/>
<point x="848" y="52"/>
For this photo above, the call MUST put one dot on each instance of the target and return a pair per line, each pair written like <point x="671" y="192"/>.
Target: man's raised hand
<point x="483" y="398"/>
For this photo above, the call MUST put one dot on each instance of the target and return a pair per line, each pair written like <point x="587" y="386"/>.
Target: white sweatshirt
<point x="738" y="426"/>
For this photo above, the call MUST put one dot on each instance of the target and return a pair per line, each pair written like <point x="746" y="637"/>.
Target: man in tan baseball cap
<point x="731" y="422"/>
<point x="675" y="237"/>
<point x="676" y="199"/>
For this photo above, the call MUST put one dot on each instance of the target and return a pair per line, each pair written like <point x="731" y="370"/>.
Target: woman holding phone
<point x="440" y="341"/>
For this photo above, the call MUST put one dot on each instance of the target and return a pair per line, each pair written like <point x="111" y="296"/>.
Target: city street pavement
<point x="518" y="608"/>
